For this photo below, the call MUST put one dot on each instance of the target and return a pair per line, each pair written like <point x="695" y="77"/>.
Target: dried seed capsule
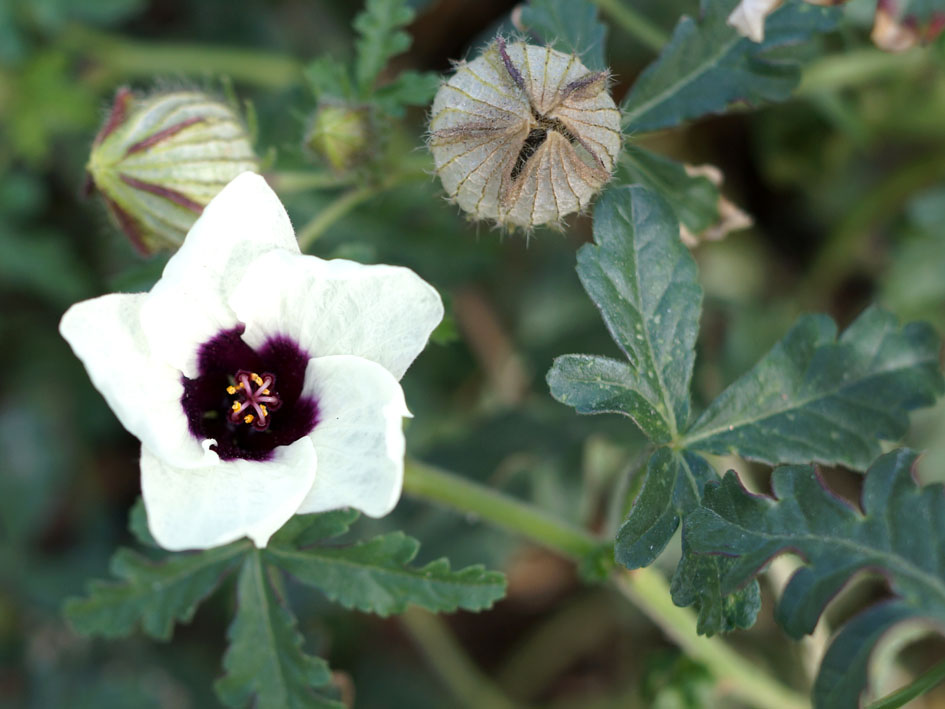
<point x="159" y="159"/>
<point x="524" y="135"/>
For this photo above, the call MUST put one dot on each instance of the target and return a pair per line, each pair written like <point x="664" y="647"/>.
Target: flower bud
<point x="339" y="134"/>
<point x="524" y="135"/>
<point x="159" y="159"/>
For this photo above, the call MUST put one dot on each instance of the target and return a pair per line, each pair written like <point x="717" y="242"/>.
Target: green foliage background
<point x="845" y="182"/>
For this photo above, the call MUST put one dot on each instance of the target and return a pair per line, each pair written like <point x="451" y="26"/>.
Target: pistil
<point x="256" y="398"/>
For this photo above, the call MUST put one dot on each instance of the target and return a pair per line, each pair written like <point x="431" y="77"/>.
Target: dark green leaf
<point x="707" y="65"/>
<point x="138" y="524"/>
<point x="697" y="582"/>
<point x="672" y="488"/>
<point x="600" y="385"/>
<point x="381" y="38"/>
<point x="644" y="282"/>
<point x="328" y="78"/>
<point x="152" y="594"/>
<point x="303" y="530"/>
<point x="900" y="533"/>
<point x="694" y="199"/>
<point x="374" y="576"/>
<point x="814" y="397"/>
<point x="410" y="88"/>
<point x="570" y="26"/>
<point x="265" y="664"/>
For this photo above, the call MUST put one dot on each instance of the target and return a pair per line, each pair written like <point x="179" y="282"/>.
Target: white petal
<point x="382" y="313"/>
<point x="359" y="435"/>
<point x="205" y="507"/>
<point x="188" y="305"/>
<point x="145" y="394"/>
<point x="749" y="17"/>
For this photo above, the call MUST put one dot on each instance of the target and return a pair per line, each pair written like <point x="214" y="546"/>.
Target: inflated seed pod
<point x="524" y="135"/>
<point x="159" y="159"/>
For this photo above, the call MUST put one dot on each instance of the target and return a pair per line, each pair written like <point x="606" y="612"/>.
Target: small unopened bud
<point x="159" y="159"/>
<point x="339" y="135"/>
<point x="896" y="30"/>
<point x="524" y="135"/>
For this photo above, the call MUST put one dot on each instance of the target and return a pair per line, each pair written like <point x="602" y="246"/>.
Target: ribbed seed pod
<point x="524" y="135"/>
<point x="159" y="159"/>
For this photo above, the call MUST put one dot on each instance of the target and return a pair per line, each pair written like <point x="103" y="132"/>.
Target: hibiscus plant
<point x="743" y="465"/>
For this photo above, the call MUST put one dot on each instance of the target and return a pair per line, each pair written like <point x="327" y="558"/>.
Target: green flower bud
<point x="159" y="159"/>
<point x="339" y="135"/>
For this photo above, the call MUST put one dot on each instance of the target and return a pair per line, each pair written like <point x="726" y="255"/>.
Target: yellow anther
<point x="248" y="418"/>
<point x="256" y="378"/>
<point x="231" y="390"/>
<point x="236" y="406"/>
<point x="266" y="392"/>
<point x="265" y="411"/>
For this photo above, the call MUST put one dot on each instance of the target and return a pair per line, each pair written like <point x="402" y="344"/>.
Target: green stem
<point x="422" y="480"/>
<point x="466" y="682"/>
<point x="121" y="58"/>
<point x="922" y="684"/>
<point x="634" y="23"/>
<point x="738" y="678"/>
<point x="861" y="66"/>
<point x="645" y="587"/>
<point x="347" y="201"/>
<point x="294" y="181"/>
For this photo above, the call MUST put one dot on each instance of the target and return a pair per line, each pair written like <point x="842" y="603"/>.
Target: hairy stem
<point x="646" y="588"/>
<point x="634" y="24"/>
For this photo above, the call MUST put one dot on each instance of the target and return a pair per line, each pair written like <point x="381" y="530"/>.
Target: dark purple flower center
<point x="249" y="400"/>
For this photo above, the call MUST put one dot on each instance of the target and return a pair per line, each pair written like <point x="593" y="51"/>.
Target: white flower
<point x="261" y="382"/>
<point x="749" y="16"/>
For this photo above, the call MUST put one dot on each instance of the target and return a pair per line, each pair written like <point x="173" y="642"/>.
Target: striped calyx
<point x="159" y="159"/>
<point x="524" y="135"/>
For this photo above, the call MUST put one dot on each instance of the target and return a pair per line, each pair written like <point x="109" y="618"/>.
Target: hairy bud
<point x="159" y="159"/>
<point x="339" y="135"/>
<point x="524" y="135"/>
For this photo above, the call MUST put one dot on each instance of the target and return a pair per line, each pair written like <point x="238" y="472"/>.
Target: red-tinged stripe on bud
<point x="162" y="135"/>
<point x="178" y="198"/>
<point x="116" y="115"/>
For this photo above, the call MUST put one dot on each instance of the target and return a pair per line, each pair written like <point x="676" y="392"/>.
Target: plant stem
<point x="120" y="58"/>
<point x="431" y="483"/>
<point x="649" y="591"/>
<point x="920" y="685"/>
<point x="347" y="201"/>
<point x="645" y="587"/>
<point x="294" y="181"/>
<point x="634" y="23"/>
<point x="466" y="682"/>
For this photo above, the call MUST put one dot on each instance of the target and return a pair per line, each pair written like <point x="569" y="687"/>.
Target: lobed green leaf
<point x="672" y="488"/>
<point x="818" y="398"/>
<point x="152" y="594"/>
<point x="375" y="576"/>
<point x="707" y="65"/>
<point x="570" y="26"/>
<point x="900" y="533"/>
<point x="644" y="282"/>
<point x="380" y="38"/>
<point x="265" y="664"/>
<point x="697" y="582"/>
